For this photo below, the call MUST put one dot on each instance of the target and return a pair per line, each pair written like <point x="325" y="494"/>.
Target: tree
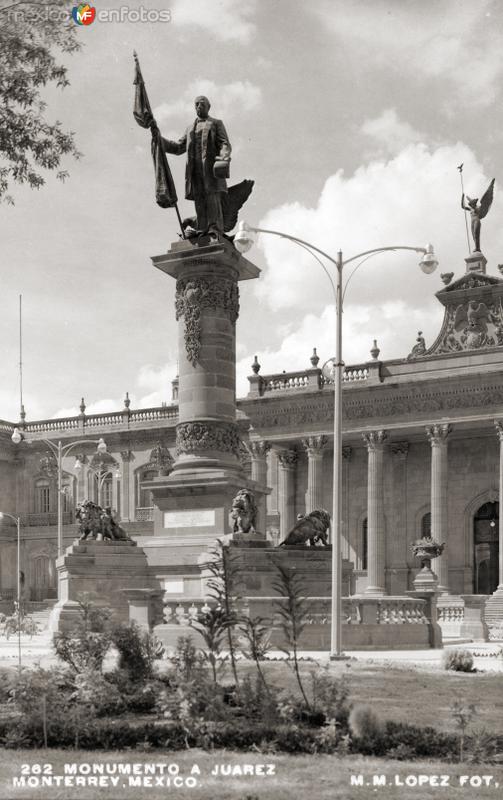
<point x="30" y="34"/>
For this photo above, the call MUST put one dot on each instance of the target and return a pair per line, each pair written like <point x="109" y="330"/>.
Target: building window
<point x="67" y="495"/>
<point x="426" y="525"/>
<point x="145" y="495"/>
<point x="43" y="496"/>
<point x="105" y="494"/>
<point x="365" y="545"/>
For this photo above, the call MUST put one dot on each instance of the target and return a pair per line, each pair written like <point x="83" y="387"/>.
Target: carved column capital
<point x="258" y="448"/>
<point x="347" y="452"/>
<point x="315" y="445"/>
<point x="437" y="434"/>
<point x="499" y="429"/>
<point x="400" y="450"/>
<point x="374" y="440"/>
<point x="199" y="437"/>
<point x="288" y="458"/>
<point x="126" y="455"/>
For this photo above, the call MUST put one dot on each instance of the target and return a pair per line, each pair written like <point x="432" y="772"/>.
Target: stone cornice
<point x="281" y="413"/>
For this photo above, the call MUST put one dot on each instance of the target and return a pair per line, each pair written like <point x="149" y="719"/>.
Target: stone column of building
<point x="374" y="441"/>
<point x="397" y="555"/>
<point x="347" y="552"/>
<point x="125" y="505"/>
<point x="314" y="446"/>
<point x="258" y="452"/>
<point x="286" y="490"/>
<point x="499" y="429"/>
<point x="437" y="436"/>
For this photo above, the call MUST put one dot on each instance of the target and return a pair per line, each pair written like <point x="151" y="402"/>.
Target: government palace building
<point x="422" y="455"/>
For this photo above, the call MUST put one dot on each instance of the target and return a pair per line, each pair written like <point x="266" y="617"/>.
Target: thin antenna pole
<point x="21" y="353"/>
<point x="460" y="170"/>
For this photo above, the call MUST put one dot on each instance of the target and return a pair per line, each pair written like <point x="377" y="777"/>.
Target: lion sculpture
<point x="243" y="513"/>
<point x="309" y="529"/>
<point x="94" y="520"/>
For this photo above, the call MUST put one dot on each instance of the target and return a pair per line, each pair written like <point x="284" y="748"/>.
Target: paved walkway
<point x="488" y="656"/>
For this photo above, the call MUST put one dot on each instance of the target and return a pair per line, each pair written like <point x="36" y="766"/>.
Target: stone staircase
<point x="40" y="613"/>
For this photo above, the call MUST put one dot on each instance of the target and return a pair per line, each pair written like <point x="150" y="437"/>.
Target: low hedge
<point x="106" y="734"/>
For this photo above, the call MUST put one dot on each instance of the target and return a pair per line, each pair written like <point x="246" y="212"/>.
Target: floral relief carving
<point x="199" y="437"/>
<point x="195" y="294"/>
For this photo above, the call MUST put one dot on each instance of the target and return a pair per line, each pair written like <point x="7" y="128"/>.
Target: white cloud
<point x="394" y="325"/>
<point x="157" y="382"/>
<point x="455" y="40"/>
<point x="236" y="97"/>
<point x="227" y="20"/>
<point x="154" y="389"/>
<point x="411" y="199"/>
<point x="390" y="133"/>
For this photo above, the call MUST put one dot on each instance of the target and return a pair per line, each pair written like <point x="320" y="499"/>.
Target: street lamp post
<point x="59" y="451"/>
<point x="17" y="520"/>
<point x="243" y="240"/>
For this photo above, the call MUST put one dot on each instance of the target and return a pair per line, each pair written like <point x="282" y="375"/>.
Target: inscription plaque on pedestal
<point x="193" y="518"/>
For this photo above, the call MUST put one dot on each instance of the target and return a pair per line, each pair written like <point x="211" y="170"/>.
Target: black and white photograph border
<point x="251" y="399"/>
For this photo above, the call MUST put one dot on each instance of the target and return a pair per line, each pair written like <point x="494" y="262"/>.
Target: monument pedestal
<point x="100" y="570"/>
<point x="476" y="262"/>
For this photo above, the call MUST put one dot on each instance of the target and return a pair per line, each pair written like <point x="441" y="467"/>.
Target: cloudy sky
<point x="350" y="115"/>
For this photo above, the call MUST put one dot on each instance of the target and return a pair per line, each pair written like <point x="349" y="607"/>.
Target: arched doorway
<point x="485" y="548"/>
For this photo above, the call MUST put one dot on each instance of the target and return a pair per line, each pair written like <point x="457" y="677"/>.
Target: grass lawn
<point x="404" y="694"/>
<point x="316" y="777"/>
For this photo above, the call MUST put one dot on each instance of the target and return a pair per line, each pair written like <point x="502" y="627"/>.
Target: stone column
<point x="346" y="537"/>
<point x="207" y="307"/>
<point x="437" y="436"/>
<point x="258" y="450"/>
<point x="375" y="513"/>
<point x="314" y="446"/>
<point x="397" y="555"/>
<point x="286" y="491"/>
<point x="499" y="430"/>
<point x="126" y="456"/>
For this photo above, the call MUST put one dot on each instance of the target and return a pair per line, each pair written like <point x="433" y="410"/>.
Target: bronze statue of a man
<point x="205" y="142"/>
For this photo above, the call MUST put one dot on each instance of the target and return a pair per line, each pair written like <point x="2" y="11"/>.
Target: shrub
<point x="86" y="644"/>
<point x="364" y="723"/>
<point x="97" y="694"/>
<point x="330" y="696"/>
<point x="137" y="650"/>
<point x="458" y="660"/>
<point x="483" y="747"/>
<point x="187" y="661"/>
<point x="139" y="698"/>
<point x="193" y="702"/>
<point x="423" y="742"/>
<point x="257" y="700"/>
<point x="293" y="615"/>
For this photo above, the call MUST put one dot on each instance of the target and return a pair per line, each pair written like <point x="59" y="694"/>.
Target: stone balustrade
<point x="451" y="615"/>
<point x="144" y="514"/>
<point x="313" y="379"/>
<point x="182" y="611"/>
<point x="367" y="621"/>
<point x="285" y="380"/>
<point x="44" y="520"/>
<point x="126" y="418"/>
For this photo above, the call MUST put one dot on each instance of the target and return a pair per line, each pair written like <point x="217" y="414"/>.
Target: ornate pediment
<point x="473" y="318"/>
